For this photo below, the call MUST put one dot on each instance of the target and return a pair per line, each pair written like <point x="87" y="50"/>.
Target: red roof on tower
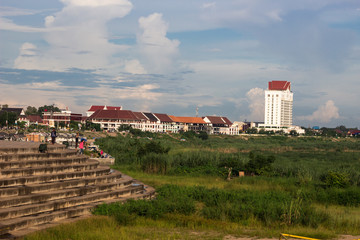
<point x="279" y="85"/>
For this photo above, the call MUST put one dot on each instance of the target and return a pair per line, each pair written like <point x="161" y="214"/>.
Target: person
<point x="53" y="136"/>
<point x="81" y="146"/>
<point x="101" y="153"/>
<point x="77" y="140"/>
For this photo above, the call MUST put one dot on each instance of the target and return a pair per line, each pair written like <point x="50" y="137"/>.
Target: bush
<point x="259" y="164"/>
<point x="203" y="135"/>
<point x="336" y="179"/>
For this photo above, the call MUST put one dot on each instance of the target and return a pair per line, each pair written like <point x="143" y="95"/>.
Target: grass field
<point x="303" y="186"/>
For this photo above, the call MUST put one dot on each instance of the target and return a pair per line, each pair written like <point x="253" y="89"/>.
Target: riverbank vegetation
<point x="306" y="186"/>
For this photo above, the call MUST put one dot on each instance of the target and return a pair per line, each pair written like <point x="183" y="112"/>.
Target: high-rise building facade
<point x="278" y="105"/>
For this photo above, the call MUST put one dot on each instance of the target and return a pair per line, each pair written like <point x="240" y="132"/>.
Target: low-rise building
<point x="189" y="123"/>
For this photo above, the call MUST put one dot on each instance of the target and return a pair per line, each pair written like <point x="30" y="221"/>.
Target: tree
<point x="21" y="124"/>
<point x="48" y="108"/>
<point x="61" y="124"/>
<point x="8" y="118"/>
<point x="91" y="126"/>
<point x="293" y="133"/>
<point x="259" y="164"/>
<point x="74" y="125"/>
<point x="124" y="127"/>
<point x="31" y="111"/>
<point x="251" y="131"/>
<point x="328" y="132"/>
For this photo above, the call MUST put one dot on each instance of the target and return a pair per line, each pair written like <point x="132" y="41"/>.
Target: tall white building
<point x="278" y="105"/>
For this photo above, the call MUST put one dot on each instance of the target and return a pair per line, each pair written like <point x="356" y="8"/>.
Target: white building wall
<point x="278" y="108"/>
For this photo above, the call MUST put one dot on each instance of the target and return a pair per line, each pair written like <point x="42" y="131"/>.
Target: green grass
<point x="293" y="184"/>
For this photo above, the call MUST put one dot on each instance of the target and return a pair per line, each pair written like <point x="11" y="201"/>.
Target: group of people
<point x="81" y="144"/>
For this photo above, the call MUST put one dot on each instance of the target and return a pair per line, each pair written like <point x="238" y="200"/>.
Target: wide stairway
<point x="40" y="189"/>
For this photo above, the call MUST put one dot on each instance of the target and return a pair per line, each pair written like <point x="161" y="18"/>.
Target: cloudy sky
<point x="170" y="56"/>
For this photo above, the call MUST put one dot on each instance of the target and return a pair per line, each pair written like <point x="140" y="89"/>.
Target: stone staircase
<point x="40" y="189"/>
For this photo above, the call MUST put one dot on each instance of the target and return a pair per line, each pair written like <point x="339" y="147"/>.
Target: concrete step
<point x="37" y="155"/>
<point x="77" y="159"/>
<point x="8" y="147"/>
<point x="61" y="204"/>
<point x="18" y="227"/>
<point x="9" y="202"/>
<point x="42" y="187"/>
<point x="20" y="172"/>
<point x="46" y="178"/>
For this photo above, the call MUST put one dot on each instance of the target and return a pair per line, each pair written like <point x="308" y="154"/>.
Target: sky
<point x="169" y="56"/>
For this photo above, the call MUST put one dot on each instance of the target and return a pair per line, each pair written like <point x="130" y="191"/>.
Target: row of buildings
<point x="278" y="117"/>
<point x="110" y="118"/>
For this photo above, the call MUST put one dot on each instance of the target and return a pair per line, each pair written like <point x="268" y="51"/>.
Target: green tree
<point x="293" y="133"/>
<point x="251" y="131"/>
<point x="21" y="124"/>
<point x="48" y="108"/>
<point x="91" y="126"/>
<point x="259" y="164"/>
<point x="328" y="132"/>
<point x="31" y="111"/>
<point x="8" y="117"/>
<point x="203" y="135"/>
<point x="74" y="125"/>
<point x="124" y="127"/>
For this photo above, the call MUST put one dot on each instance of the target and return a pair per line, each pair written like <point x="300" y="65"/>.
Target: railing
<point x="284" y="236"/>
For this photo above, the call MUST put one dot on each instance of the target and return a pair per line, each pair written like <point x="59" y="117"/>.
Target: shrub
<point x="259" y="164"/>
<point x="336" y="179"/>
<point x="203" y="135"/>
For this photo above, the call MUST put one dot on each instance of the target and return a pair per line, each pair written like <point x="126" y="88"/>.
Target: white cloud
<point x="134" y="67"/>
<point x="157" y="50"/>
<point x="324" y="114"/>
<point x="92" y="3"/>
<point x="209" y="5"/>
<point x="256" y="101"/>
<point x="49" y="21"/>
<point x="141" y="97"/>
<point x="6" y="24"/>
<point x="77" y="37"/>
<point x="27" y="58"/>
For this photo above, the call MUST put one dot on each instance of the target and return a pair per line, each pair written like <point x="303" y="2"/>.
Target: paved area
<point x="12" y="144"/>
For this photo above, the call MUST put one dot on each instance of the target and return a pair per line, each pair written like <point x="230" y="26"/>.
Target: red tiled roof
<point x="163" y="117"/>
<point x="93" y="108"/>
<point x="114" y="114"/>
<point x="34" y="118"/>
<point x="198" y="120"/>
<point x="279" y="85"/>
<point x="219" y="120"/>
<point x="227" y="121"/>
<point x="140" y="115"/>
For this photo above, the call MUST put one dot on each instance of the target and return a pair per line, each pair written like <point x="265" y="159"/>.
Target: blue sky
<point x="172" y="56"/>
